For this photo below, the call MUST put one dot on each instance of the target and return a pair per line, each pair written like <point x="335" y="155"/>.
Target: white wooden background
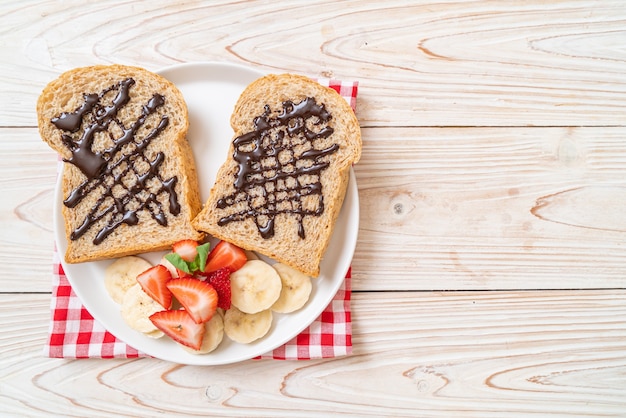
<point x="490" y="271"/>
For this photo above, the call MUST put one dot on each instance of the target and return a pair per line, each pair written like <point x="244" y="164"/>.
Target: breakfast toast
<point x="281" y="188"/>
<point x="129" y="182"/>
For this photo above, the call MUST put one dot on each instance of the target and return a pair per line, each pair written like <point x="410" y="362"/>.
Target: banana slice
<point x="122" y="274"/>
<point x="255" y="287"/>
<point x="244" y="328"/>
<point x="136" y="309"/>
<point x="154" y="334"/>
<point x="212" y="336"/>
<point x="296" y="289"/>
<point x="169" y="266"/>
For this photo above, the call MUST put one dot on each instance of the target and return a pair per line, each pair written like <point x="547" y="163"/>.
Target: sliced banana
<point x="165" y="262"/>
<point x="212" y="336"/>
<point x="244" y="328"/>
<point x="136" y="309"/>
<point x="122" y="274"/>
<point x="296" y="289"/>
<point x="255" y="287"/>
<point x="154" y="334"/>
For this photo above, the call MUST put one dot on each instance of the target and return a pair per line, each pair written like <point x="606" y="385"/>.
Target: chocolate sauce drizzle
<point x="279" y="167"/>
<point x="126" y="180"/>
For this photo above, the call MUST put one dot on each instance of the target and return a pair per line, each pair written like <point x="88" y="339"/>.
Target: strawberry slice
<point x="153" y="281"/>
<point x="186" y="249"/>
<point x="223" y="255"/>
<point x="180" y="327"/>
<point x="197" y="297"/>
<point x="220" y="280"/>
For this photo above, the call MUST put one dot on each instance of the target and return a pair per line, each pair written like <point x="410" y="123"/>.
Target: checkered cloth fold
<point x="75" y="334"/>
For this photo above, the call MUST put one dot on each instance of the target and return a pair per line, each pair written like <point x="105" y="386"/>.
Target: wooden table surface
<point x="490" y="271"/>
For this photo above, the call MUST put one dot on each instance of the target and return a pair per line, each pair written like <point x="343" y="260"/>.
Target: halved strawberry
<point x="179" y="326"/>
<point x="199" y="298"/>
<point x="220" y="280"/>
<point x="153" y="282"/>
<point x="225" y="254"/>
<point x="186" y="249"/>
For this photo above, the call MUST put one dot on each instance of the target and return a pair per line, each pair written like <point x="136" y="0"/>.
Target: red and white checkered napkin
<point x="75" y="334"/>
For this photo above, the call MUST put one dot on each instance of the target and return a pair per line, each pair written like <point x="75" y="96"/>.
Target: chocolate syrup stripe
<point x="293" y="123"/>
<point x="71" y="121"/>
<point x="129" y="217"/>
<point x="90" y="184"/>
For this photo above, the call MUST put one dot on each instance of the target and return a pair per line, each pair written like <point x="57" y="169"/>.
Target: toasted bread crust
<point x="340" y="150"/>
<point x="66" y="95"/>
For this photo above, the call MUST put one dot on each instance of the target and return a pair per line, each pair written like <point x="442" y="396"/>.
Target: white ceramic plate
<point x="211" y="90"/>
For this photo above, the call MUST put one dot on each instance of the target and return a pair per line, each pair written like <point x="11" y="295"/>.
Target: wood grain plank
<point x="426" y="63"/>
<point x="491" y="208"/>
<point x="481" y="354"/>
<point x="27" y="178"/>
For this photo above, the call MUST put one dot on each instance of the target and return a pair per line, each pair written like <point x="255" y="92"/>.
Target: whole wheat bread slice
<point x="129" y="180"/>
<point x="281" y="188"/>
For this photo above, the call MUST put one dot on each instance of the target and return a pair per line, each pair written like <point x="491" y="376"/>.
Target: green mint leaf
<point x="178" y="262"/>
<point x="203" y="254"/>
